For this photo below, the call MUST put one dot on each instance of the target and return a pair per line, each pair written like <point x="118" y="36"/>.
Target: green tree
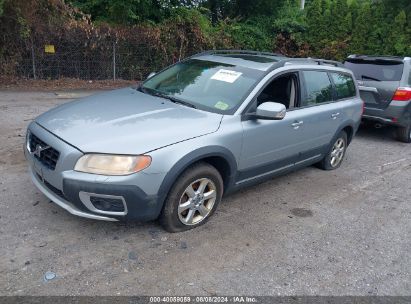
<point x="2" y="7"/>
<point x="247" y="8"/>
<point x="290" y="19"/>
<point x="124" y="11"/>
<point x="314" y="19"/>
<point x="377" y="26"/>
<point x="340" y="25"/>
<point x="396" y="43"/>
<point x="361" y="29"/>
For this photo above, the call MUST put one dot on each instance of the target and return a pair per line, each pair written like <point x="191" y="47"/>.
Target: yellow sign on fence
<point x="49" y="48"/>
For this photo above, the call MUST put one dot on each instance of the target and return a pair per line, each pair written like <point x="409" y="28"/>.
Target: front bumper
<point x="73" y="190"/>
<point x="61" y="202"/>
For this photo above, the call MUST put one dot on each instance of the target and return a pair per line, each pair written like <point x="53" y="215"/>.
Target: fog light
<point x="104" y="203"/>
<point x="107" y="204"/>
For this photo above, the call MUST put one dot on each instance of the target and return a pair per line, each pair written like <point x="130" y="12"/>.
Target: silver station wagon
<point x="200" y="129"/>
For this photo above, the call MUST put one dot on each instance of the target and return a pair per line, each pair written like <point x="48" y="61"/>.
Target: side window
<point x="344" y="85"/>
<point x="318" y="88"/>
<point x="283" y="89"/>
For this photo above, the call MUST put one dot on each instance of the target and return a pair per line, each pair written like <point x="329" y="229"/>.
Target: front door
<point x="271" y="146"/>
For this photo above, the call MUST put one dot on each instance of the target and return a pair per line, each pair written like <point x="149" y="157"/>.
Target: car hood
<point x="126" y="121"/>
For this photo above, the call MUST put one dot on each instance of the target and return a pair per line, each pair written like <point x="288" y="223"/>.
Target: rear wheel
<point x="336" y="154"/>
<point x="404" y="134"/>
<point x="193" y="198"/>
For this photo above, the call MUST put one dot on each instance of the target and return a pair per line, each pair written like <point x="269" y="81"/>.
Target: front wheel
<point x="193" y="198"/>
<point x="404" y="134"/>
<point x="336" y="153"/>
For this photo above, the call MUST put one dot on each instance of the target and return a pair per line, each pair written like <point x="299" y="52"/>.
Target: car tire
<point x="404" y="134"/>
<point x="336" y="153"/>
<point x="193" y="198"/>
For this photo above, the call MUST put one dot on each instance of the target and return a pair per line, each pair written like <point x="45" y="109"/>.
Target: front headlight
<point x="112" y="164"/>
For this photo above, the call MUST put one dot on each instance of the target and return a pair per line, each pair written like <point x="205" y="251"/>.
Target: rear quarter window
<point x="344" y="85"/>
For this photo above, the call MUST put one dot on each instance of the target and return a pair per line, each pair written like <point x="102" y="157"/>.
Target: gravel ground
<point x="27" y="85"/>
<point x="312" y="232"/>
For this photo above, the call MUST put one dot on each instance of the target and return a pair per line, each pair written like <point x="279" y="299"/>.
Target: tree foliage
<point x="169" y="30"/>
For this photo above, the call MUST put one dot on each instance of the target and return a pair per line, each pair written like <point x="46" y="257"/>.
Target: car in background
<point x="200" y="129"/>
<point x="385" y="87"/>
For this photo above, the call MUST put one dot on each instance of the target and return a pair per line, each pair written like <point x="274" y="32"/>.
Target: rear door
<point x="321" y="114"/>
<point x="379" y="78"/>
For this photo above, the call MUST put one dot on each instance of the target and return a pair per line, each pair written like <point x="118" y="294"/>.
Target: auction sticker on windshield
<point x="226" y="75"/>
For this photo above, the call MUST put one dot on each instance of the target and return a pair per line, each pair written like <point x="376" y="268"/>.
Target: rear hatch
<point x="378" y="79"/>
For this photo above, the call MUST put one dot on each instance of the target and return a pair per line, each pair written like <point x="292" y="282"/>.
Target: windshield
<point x="211" y="86"/>
<point x="376" y="70"/>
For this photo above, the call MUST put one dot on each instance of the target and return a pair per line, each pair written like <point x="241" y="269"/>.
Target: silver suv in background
<point x="385" y="87"/>
<point x="200" y="129"/>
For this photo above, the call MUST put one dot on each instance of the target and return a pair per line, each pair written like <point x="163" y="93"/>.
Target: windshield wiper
<point x="368" y="77"/>
<point x="179" y="101"/>
<point x="162" y="95"/>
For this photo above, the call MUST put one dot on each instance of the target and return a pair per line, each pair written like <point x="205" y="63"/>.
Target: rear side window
<point x="318" y="88"/>
<point x="378" y="70"/>
<point x="344" y="85"/>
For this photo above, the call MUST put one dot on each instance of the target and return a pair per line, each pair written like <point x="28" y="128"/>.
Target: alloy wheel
<point x="197" y="201"/>
<point x="337" y="152"/>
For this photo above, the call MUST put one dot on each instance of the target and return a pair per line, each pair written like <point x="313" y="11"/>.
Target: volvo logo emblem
<point x="39" y="149"/>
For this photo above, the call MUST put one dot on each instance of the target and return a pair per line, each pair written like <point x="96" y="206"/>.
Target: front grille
<point x="44" y="153"/>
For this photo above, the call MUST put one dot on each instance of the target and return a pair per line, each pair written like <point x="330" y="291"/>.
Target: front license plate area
<point x="38" y="170"/>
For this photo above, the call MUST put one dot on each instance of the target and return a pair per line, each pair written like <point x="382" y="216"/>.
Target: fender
<point x="191" y="158"/>
<point x="349" y="123"/>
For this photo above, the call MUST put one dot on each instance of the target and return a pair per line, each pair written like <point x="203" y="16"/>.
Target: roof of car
<point x="263" y="61"/>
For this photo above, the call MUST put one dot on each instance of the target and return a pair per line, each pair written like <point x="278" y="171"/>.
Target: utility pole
<point x="302" y="4"/>
<point x="114" y="61"/>
<point x="33" y="60"/>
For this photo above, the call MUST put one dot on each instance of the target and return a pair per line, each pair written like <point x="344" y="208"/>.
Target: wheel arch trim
<point x="193" y="157"/>
<point x="349" y="124"/>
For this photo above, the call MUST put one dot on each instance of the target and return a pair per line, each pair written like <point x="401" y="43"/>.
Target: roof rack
<point x="245" y="52"/>
<point x="281" y="61"/>
<point x="312" y="60"/>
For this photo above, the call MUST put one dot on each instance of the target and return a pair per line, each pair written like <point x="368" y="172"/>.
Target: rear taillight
<point x="363" y="107"/>
<point x="402" y="94"/>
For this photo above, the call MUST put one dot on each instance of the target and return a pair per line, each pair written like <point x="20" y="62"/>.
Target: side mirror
<point x="270" y="111"/>
<point x="151" y="75"/>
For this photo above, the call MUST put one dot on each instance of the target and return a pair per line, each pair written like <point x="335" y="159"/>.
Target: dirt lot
<point x="346" y="232"/>
<point x="28" y="85"/>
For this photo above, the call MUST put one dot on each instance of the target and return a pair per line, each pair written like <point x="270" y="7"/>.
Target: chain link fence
<point x="108" y="61"/>
<point x="53" y="40"/>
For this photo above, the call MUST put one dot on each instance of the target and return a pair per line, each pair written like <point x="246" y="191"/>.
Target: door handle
<point x="297" y="124"/>
<point x="335" y="115"/>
